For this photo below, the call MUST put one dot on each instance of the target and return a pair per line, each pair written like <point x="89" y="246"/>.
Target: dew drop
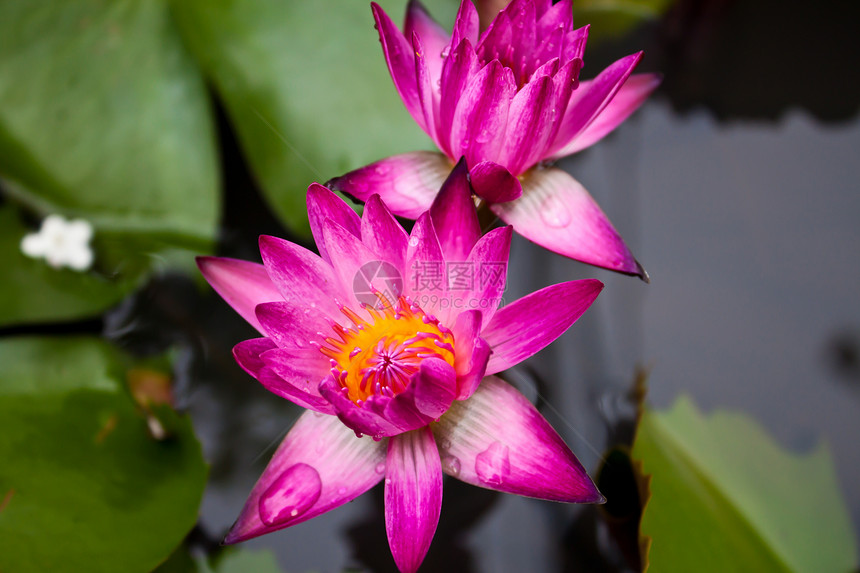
<point x="451" y="465"/>
<point x="341" y="491"/>
<point x="387" y="481"/>
<point x="413" y="241"/>
<point x="380" y="468"/>
<point x="493" y="464"/>
<point x="382" y="169"/>
<point x="299" y="343"/>
<point x="555" y="213"/>
<point x="445" y="51"/>
<point x="290" y="495"/>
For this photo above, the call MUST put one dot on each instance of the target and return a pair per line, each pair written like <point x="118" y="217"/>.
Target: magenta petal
<point x="466" y="25"/>
<point x="459" y="68"/>
<point x="413" y="496"/>
<point x="428" y="90"/>
<point x="290" y="326"/>
<point x="322" y="205"/>
<point x="320" y="465"/>
<point x="434" y="38"/>
<point x="247" y="354"/>
<point x="558" y="16"/>
<point x="298" y="394"/>
<point x="489" y="259"/>
<point x="530" y="125"/>
<point x="407" y="183"/>
<point x="348" y="256"/>
<point x="426" y="283"/>
<point x="471" y="353"/>
<point x="497" y="440"/>
<point x="478" y="126"/>
<point x="494" y="183"/>
<point x="454" y="215"/>
<point x="362" y="420"/>
<point x="557" y="213"/>
<point x="527" y="325"/>
<point x="242" y="284"/>
<point x="589" y="100"/>
<point x="632" y="94"/>
<point x="401" y="63"/>
<point x="302" y="277"/>
<point x="382" y="233"/>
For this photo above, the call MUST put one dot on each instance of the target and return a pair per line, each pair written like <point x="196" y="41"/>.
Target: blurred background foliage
<point x="154" y="120"/>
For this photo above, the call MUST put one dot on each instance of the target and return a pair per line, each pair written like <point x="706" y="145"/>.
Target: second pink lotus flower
<point x="508" y="100"/>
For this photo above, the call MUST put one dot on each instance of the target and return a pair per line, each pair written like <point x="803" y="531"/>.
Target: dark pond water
<point x="737" y="188"/>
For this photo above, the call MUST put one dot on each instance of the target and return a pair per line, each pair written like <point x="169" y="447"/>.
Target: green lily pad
<point x="613" y="18"/>
<point x="83" y="484"/>
<point x="105" y="116"/>
<point x="725" y="497"/>
<point x="227" y="560"/>
<point x="32" y="291"/>
<point x="306" y="88"/>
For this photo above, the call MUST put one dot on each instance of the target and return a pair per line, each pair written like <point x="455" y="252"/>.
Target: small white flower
<point x="61" y="243"/>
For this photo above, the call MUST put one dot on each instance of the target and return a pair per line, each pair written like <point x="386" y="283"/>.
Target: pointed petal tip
<point x="642" y="273"/>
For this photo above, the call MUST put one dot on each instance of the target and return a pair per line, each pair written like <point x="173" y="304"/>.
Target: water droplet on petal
<point x="451" y="465"/>
<point x="555" y="213"/>
<point x="493" y="464"/>
<point x="445" y="51"/>
<point x="341" y="491"/>
<point x="387" y="481"/>
<point x="290" y="495"/>
<point x="382" y="169"/>
<point x="380" y="468"/>
<point x="413" y="241"/>
<point x="299" y="343"/>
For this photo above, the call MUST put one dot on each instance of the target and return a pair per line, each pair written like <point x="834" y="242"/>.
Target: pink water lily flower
<point x="395" y="367"/>
<point x="508" y="100"/>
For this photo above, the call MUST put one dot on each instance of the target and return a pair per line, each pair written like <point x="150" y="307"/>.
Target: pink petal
<point x="428" y="396"/>
<point x="574" y="43"/>
<point x="361" y="420"/>
<point x="527" y="325"/>
<point x="471" y="352"/>
<point x="301" y="277"/>
<point x="320" y="465"/>
<point x="348" y="256"/>
<point x="242" y="284"/>
<point x="556" y="212"/>
<point x="589" y="100"/>
<point x="433" y="37"/>
<point x="428" y="90"/>
<point x="530" y="124"/>
<point x="247" y="354"/>
<point x="413" y="496"/>
<point x="291" y="326"/>
<point x="459" y="68"/>
<point x="401" y="63"/>
<point x="425" y="282"/>
<point x="454" y="215"/>
<point x="322" y="205"/>
<point x="407" y="183"/>
<point x="466" y="25"/>
<point x="482" y="112"/>
<point x="628" y="99"/>
<point x="295" y="374"/>
<point x="558" y="16"/>
<point x="381" y="232"/>
<point x="497" y="440"/>
<point x="297" y="393"/>
<point x="489" y="259"/>
<point x="494" y="183"/>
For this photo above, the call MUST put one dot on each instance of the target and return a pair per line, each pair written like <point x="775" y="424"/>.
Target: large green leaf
<point x="725" y="497"/>
<point x="32" y="291"/>
<point x="83" y="485"/>
<point x="103" y="115"/>
<point x="306" y="87"/>
<point x="612" y="18"/>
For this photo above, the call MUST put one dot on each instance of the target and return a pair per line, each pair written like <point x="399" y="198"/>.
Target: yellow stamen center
<point x="379" y="357"/>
